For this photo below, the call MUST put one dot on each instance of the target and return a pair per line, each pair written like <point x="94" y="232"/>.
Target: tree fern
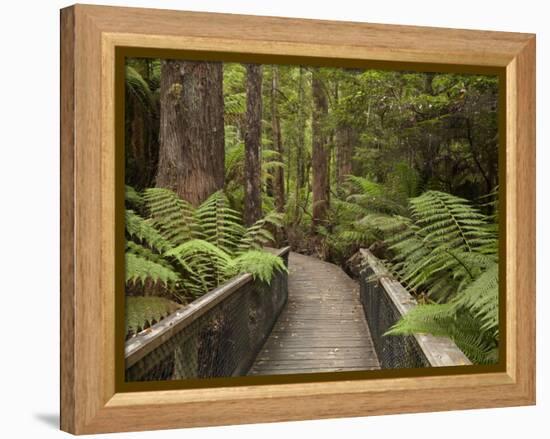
<point x="220" y="225"/>
<point x="191" y="251"/>
<point x="257" y="235"/>
<point x="448" y="250"/>
<point x="172" y="216"/>
<point x="139" y="89"/>
<point x="140" y="269"/>
<point x="262" y="265"/>
<point x="142" y="312"/>
<point x="462" y="327"/>
<point x="449" y="219"/>
<point x="204" y="263"/>
<point x="439" y="250"/>
<point x="143" y="231"/>
<point x="132" y="197"/>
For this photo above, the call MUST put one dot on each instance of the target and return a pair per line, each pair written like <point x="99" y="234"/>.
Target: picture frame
<point x="91" y="402"/>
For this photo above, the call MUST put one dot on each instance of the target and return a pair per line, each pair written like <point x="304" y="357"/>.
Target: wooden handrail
<point x="147" y="341"/>
<point x="439" y="351"/>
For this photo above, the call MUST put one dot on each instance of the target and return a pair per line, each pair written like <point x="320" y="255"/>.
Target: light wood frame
<point x="90" y="34"/>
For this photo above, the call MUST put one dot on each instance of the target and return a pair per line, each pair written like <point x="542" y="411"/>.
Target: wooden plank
<point x="322" y="328"/>
<point x="67" y="214"/>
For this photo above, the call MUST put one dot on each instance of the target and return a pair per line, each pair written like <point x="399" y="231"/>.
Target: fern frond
<point x="204" y="263"/>
<point x="133" y="197"/>
<point x="441" y="320"/>
<point x="220" y="225"/>
<point x="364" y="186"/>
<point x="142" y="230"/>
<point x="140" y="270"/>
<point x="481" y="299"/>
<point x="445" y="218"/>
<point x="139" y="89"/>
<point x="172" y="216"/>
<point x="144" y="311"/>
<point x="262" y="265"/>
<point x="257" y="235"/>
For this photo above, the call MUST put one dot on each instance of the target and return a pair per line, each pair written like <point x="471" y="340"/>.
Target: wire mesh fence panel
<point x="219" y="337"/>
<point x="385" y="301"/>
<point x="394" y="351"/>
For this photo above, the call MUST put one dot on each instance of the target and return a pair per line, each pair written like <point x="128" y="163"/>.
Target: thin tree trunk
<point x="252" y="142"/>
<point x="320" y="152"/>
<point x="346" y="137"/>
<point x="137" y="140"/>
<point x="279" y="185"/>
<point x="299" y="183"/>
<point x="192" y="152"/>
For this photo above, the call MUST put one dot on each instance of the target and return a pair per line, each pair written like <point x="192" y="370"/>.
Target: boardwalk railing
<point x="217" y="335"/>
<point x="385" y="301"/>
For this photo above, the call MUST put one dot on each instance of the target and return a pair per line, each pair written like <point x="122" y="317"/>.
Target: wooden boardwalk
<point x="322" y="328"/>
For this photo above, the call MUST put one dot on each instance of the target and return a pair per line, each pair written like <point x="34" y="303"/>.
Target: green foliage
<point x="234" y="170"/>
<point x="444" y="320"/>
<point x="439" y="250"/>
<point x="219" y="224"/>
<point x="144" y="232"/>
<point x="412" y="136"/>
<point x="142" y="312"/>
<point x="262" y="265"/>
<point x="447" y="252"/>
<point x="173" y="217"/>
<point x="132" y="197"/>
<point x="139" y="88"/>
<point x="140" y="269"/>
<point x="187" y="251"/>
<point x="258" y="235"/>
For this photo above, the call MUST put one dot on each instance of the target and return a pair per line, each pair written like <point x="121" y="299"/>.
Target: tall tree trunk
<point x="300" y="146"/>
<point x="319" y="151"/>
<point x="192" y="151"/>
<point x="252" y="142"/>
<point x="279" y="185"/>
<point x="346" y="137"/>
<point x="137" y="141"/>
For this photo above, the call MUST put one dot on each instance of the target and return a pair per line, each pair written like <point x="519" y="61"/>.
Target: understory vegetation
<point x="224" y="159"/>
<point x="177" y="252"/>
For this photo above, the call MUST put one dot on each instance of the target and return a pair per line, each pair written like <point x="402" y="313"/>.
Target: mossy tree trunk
<point x="192" y="151"/>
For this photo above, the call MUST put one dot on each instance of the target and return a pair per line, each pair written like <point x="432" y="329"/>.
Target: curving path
<point x="322" y="328"/>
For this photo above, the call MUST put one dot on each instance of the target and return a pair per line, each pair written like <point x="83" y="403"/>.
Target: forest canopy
<point x="326" y="160"/>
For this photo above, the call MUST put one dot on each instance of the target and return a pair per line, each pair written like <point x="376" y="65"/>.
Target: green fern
<point x="142" y="312"/>
<point x="257" y="235"/>
<point x="444" y="320"/>
<point x="139" y="89"/>
<point x="220" y="225"/>
<point x="262" y="265"/>
<point x="173" y="217"/>
<point x="191" y="251"/>
<point x="132" y="197"/>
<point x="143" y="231"/>
<point x="439" y="250"/>
<point x="448" y="250"/>
<point x="140" y="270"/>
